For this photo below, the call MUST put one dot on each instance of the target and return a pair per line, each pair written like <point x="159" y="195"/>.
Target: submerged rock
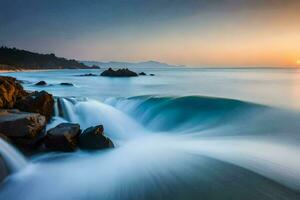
<point x="63" y="137"/>
<point x="142" y="74"/>
<point x="41" y="83"/>
<point x="67" y="84"/>
<point x="119" y="73"/>
<point x="37" y="102"/>
<point x="10" y="91"/>
<point x="93" y="138"/>
<point x="23" y="128"/>
<point x="89" y="74"/>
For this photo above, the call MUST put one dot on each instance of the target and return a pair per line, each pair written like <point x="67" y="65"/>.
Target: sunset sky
<point x="203" y="33"/>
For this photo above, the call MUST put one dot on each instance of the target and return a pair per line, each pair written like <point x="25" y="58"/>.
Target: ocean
<point x="184" y="133"/>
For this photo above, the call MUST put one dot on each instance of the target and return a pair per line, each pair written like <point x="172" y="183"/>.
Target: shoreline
<point x="25" y="70"/>
<point x="31" y="70"/>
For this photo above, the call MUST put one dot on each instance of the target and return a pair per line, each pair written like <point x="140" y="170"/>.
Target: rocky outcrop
<point x="119" y="73"/>
<point x="41" y="83"/>
<point x="63" y="137"/>
<point x="88" y="74"/>
<point x="10" y="91"/>
<point x="142" y="74"/>
<point x="22" y="128"/>
<point x="67" y="84"/>
<point x="93" y="138"/>
<point x="37" y="102"/>
<point x="25" y="126"/>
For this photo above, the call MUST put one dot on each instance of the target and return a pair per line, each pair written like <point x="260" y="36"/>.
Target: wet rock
<point x="142" y="74"/>
<point x="152" y="74"/>
<point x="89" y="74"/>
<point x="41" y="83"/>
<point x="22" y="128"/>
<point x="10" y="91"/>
<point x="37" y="102"/>
<point x="67" y="84"/>
<point x="93" y="139"/>
<point x="63" y="137"/>
<point x="119" y="73"/>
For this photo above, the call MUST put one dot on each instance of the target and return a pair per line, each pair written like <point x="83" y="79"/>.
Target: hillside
<point x="14" y="59"/>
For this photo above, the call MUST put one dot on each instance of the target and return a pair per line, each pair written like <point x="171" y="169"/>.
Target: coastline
<point x="35" y="70"/>
<point x="25" y="70"/>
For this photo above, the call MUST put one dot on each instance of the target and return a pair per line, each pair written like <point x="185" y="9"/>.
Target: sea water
<point x="184" y="133"/>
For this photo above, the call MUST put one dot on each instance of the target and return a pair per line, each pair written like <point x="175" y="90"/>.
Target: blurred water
<point x="279" y="87"/>
<point x="172" y="142"/>
<point x="12" y="157"/>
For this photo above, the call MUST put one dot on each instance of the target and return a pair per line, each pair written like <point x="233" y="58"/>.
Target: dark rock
<point x="89" y="74"/>
<point x="22" y="128"/>
<point x="151" y="74"/>
<point x="41" y="83"/>
<point x="93" y="138"/>
<point x="63" y="137"/>
<point x="67" y="84"/>
<point x="37" y="102"/>
<point x="119" y="73"/>
<point x="142" y="74"/>
<point x="10" y="91"/>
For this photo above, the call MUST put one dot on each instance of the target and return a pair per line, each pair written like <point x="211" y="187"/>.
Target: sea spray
<point x="217" y="162"/>
<point x="118" y="126"/>
<point x="14" y="159"/>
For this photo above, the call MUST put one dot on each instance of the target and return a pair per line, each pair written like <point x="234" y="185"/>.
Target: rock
<point x="119" y="73"/>
<point x="89" y="74"/>
<point x="22" y="128"/>
<point x="37" y="102"/>
<point x="142" y="74"/>
<point x="151" y="74"/>
<point x="10" y="91"/>
<point x="93" y="138"/>
<point x="41" y="83"/>
<point x="63" y="137"/>
<point x="67" y="84"/>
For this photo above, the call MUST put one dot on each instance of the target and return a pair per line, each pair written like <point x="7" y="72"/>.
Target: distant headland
<point x="116" y="64"/>
<point x="17" y="59"/>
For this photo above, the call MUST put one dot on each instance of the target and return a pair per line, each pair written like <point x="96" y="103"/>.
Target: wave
<point x="171" y="148"/>
<point x="206" y="114"/>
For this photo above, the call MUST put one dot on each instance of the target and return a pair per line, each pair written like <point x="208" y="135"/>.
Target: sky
<point x="199" y="33"/>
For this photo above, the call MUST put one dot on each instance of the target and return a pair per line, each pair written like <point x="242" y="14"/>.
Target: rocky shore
<point x="24" y="116"/>
<point x="121" y="72"/>
<point x="118" y="73"/>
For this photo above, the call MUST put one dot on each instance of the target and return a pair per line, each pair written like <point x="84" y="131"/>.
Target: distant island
<point x="114" y="64"/>
<point x="16" y="59"/>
